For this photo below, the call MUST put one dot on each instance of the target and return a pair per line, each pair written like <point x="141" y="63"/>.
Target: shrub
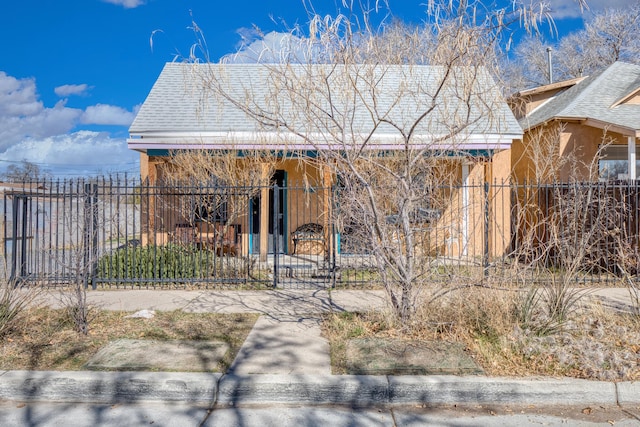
<point x="168" y="262"/>
<point x="13" y="304"/>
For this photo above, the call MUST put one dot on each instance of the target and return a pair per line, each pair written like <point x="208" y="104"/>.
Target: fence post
<point x="485" y="256"/>
<point x="90" y="234"/>
<point x="276" y="232"/>
<point x="333" y="247"/>
<point x="15" y="234"/>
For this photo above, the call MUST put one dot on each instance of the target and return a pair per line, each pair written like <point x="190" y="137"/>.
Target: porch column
<point x="149" y="170"/>
<point x="264" y="214"/>
<point x="631" y="158"/>
<point x="327" y="219"/>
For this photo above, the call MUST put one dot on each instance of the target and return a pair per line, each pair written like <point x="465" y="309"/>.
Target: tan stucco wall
<point x="449" y="237"/>
<point x="582" y="143"/>
<point x="559" y="152"/>
<point x="524" y="105"/>
<point x="500" y="203"/>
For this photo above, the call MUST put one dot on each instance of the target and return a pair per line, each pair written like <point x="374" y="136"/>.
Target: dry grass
<point x="46" y="340"/>
<point x="595" y="343"/>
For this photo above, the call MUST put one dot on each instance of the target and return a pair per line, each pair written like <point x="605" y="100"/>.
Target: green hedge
<point x="168" y="262"/>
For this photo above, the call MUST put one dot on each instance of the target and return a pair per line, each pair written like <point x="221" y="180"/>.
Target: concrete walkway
<point x="284" y="345"/>
<point x="285" y="360"/>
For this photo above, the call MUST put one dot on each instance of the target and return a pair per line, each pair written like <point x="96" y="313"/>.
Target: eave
<point x="274" y="141"/>
<point x="546" y="88"/>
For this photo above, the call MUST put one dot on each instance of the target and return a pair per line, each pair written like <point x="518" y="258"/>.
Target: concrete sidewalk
<point x="271" y="303"/>
<point x="285" y="360"/>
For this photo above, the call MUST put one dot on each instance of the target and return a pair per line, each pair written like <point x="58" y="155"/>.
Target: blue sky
<point x="73" y="72"/>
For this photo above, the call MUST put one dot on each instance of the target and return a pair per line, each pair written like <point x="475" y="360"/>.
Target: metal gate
<point x="292" y="269"/>
<point x="51" y="236"/>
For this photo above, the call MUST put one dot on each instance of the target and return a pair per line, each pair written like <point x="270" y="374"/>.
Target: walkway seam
<point x="213" y="405"/>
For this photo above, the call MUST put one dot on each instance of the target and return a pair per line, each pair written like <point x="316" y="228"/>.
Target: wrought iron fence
<point x="121" y="232"/>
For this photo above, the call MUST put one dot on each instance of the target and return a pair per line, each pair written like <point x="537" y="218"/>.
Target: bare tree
<point x="531" y="67"/>
<point x="614" y="34"/>
<point x="24" y="172"/>
<point x="362" y="88"/>
<point x="610" y="36"/>
<point x="82" y="225"/>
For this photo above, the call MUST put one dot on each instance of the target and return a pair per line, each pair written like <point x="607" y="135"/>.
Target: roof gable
<point x="632" y="98"/>
<point x="609" y="96"/>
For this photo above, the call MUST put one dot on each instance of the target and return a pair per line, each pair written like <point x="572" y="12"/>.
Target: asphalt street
<point x="47" y="414"/>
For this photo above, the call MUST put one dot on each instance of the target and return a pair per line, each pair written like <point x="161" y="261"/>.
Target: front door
<point x="276" y="210"/>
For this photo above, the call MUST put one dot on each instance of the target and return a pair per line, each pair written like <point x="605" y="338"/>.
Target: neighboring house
<point x="570" y="125"/>
<point x="577" y="131"/>
<point x="179" y="114"/>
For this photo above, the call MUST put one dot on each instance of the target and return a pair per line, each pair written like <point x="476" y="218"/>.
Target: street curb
<point x="628" y="393"/>
<point x="353" y="390"/>
<point x="444" y="389"/>
<point x="107" y="387"/>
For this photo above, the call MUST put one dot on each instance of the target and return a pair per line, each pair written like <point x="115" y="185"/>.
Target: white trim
<point x="270" y="140"/>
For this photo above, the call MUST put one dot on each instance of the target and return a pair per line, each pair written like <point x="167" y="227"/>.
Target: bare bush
<point x="81" y="225"/>
<point x="217" y="185"/>
<point x="566" y="230"/>
<point x="14" y="301"/>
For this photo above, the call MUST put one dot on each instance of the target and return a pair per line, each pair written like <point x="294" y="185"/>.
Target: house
<point x="240" y="107"/>
<point x="578" y="131"/>
<point x="578" y="121"/>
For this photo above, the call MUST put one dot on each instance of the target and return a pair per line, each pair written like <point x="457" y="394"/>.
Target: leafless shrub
<point x="565" y="230"/>
<point x="627" y="263"/>
<point x="82" y="225"/>
<point x="217" y="185"/>
<point x="14" y="300"/>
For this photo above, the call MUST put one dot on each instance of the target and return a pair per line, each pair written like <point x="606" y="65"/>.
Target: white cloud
<point x="18" y="96"/>
<point x="31" y="131"/>
<point x="78" y="152"/>
<point x="127" y="4"/>
<point x="270" y="48"/>
<point x="66" y="90"/>
<point x="571" y="8"/>
<point x="22" y="114"/>
<point x="103" y="114"/>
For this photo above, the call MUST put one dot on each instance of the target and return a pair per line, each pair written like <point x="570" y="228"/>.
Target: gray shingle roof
<point x="177" y="103"/>
<point x="594" y="98"/>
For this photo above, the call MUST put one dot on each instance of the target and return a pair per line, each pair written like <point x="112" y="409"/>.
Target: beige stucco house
<point x="181" y="114"/>
<point x="568" y="125"/>
<point x="578" y="131"/>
